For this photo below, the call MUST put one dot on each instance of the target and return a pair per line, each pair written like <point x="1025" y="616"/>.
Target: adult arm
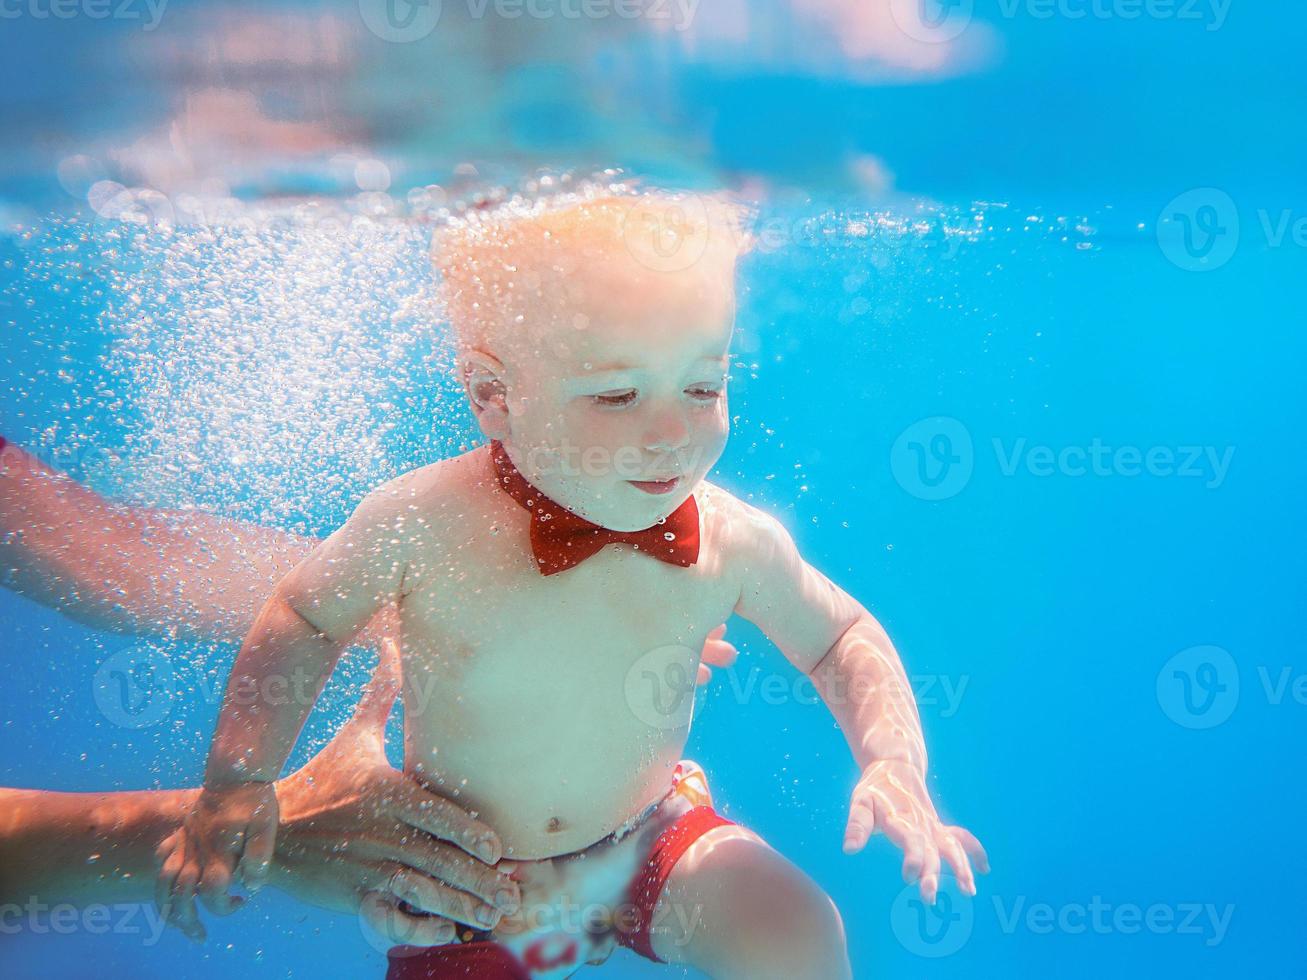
<point x="84" y="848"/>
<point x="176" y="573"/>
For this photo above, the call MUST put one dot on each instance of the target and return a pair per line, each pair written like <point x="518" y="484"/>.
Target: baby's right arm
<point x="280" y="671"/>
<point x="294" y="644"/>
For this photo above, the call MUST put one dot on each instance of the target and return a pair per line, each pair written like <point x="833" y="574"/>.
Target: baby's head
<point x="593" y="341"/>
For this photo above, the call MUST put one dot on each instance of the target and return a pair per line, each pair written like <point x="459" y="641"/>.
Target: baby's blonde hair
<point x="490" y="258"/>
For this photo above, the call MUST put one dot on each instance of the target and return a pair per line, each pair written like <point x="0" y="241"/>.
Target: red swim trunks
<point x="557" y="954"/>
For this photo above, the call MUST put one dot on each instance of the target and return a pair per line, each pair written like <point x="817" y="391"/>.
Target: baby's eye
<point x="615" y="397"/>
<point x="704" y="393"/>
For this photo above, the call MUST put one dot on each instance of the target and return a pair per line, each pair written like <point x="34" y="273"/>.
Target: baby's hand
<point x="232" y="829"/>
<point x="891" y="798"/>
<point x="717" y="652"/>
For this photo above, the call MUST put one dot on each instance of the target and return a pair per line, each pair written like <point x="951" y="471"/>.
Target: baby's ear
<point x="483" y="382"/>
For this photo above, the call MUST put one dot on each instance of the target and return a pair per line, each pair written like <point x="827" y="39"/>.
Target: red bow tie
<point x="561" y="539"/>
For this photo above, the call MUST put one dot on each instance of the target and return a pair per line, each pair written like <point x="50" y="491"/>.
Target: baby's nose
<point x="667" y="431"/>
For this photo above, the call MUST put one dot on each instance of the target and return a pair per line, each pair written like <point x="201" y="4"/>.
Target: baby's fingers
<point x="929" y="873"/>
<point x="953" y="853"/>
<point x="260" y="843"/>
<point x="172" y="855"/>
<point x="861" y="825"/>
<point x="972" y="846"/>
<point x="915" y="860"/>
<point x="718" y="652"/>
<point x="185" y="916"/>
<point x="215" y="886"/>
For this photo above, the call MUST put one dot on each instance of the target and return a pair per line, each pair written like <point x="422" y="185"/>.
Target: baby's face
<point x="618" y="408"/>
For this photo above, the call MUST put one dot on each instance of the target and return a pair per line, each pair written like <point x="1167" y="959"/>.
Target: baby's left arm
<point x="828" y="635"/>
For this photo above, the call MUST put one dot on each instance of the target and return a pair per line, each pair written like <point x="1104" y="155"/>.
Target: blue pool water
<point x="1049" y="440"/>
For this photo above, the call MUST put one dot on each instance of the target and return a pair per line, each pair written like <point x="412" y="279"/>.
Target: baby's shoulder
<point x="431" y="496"/>
<point x="731" y="526"/>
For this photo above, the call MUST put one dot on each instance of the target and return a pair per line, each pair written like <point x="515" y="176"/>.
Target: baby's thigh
<point x="734" y="907"/>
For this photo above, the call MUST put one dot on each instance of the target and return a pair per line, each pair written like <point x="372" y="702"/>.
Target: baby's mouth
<point x="656" y="486"/>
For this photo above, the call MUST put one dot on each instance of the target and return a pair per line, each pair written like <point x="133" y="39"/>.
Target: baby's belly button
<point x="559" y="830"/>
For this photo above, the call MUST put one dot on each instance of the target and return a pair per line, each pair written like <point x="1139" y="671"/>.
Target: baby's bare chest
<point x="487" y="624"/>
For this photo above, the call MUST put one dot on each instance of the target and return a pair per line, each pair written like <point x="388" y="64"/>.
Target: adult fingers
<point x="441" y="818"/>
<point x="703" y="675"/>
<point x="447" y="864"/>
<point x="437" y="898"/>
<point x="373" y="709"/>
<point x="383" y="915"/>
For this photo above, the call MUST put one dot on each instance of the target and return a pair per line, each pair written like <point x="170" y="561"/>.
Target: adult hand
<point x="358" y="836"/>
